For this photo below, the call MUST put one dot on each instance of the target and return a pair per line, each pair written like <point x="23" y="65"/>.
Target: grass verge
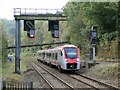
<point x="12" y="75"/>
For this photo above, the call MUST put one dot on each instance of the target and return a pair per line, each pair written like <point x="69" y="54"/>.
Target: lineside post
<point x="94" y="37"/>
<point x="94" y="60"/>
<point x="17" y="49"/>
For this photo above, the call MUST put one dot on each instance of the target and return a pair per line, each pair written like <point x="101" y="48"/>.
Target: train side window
<point x="55" y="56"/>
<point x="52" y="55"/>
<point x="61" y="53"/>
<point x="43" y="55"/>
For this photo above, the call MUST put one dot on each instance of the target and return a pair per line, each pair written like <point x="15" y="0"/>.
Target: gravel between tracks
<point x="65" y="77"/>
<point x="30" y="76"/>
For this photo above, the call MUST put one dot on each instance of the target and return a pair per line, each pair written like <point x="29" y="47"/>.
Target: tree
<point x="82" y="16"/>
<point x="4" y="44"/>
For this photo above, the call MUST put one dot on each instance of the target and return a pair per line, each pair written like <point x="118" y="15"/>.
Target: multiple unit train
<point x="66" y="57"/>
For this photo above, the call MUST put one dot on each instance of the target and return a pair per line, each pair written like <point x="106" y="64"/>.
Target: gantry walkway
<point x="39" y="14"/>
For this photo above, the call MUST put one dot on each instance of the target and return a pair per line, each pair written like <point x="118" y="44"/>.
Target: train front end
<point x="71" y="58"/>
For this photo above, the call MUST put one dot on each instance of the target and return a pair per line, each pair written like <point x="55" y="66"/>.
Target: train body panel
<point x="66" y="57"/>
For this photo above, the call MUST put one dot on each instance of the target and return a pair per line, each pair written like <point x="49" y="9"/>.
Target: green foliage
<point x="109" y="37"/>
<point x="4" y="47"/>
<point x="0" y="45"/>
<point x="82" y="16"/>
<point x="106" y="71"/>
<point x="4" y="43"/>
<point x="9" y="27"/>
<point x="104" y="15"/>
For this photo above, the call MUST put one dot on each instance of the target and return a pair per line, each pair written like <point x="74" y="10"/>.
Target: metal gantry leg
<point x="17" y="49"/>
<point x="94" y="53"/>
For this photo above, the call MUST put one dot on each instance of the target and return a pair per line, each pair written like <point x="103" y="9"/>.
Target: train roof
<point x="59" y="47"/>
<point x="66" y="45"/>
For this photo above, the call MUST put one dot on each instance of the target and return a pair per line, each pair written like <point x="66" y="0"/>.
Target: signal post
<point x="17" y="49"/>
<point x="94" y="37"/>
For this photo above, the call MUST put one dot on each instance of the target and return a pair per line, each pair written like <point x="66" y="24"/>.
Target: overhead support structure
<point x="36" y="45"/>
<point x="39" y="14"/>
<point x="32" y="14"/>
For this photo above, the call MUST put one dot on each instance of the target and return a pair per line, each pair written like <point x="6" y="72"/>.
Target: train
<point x="65" y="57"/>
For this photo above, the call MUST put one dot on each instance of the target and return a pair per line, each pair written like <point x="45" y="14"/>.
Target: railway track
<point x="93" y="82"/>
<point x="51" y="79"/>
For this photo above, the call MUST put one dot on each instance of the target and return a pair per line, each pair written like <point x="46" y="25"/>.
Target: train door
<point x="52" y="57"/>
<point x="56" y="58"/>
<point x="60" y="57"/>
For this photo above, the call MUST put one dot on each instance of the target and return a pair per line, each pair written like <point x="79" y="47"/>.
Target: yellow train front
<point x="66" y="57"/>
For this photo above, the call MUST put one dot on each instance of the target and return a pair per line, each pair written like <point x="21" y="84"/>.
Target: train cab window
<point x="71" y="52"/>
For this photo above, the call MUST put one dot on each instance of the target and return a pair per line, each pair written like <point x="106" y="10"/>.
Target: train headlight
<point x="78" y="59"/>
<point x="65" y="60"/>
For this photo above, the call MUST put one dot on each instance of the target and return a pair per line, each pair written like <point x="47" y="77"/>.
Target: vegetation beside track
<point x="107" y="72"/>
<point x="13" y="76"/>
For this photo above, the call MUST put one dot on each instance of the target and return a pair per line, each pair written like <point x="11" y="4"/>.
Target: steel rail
<point x="84" y="82"/>
<point x="99" y="82"/>
<point x="58" y="78"/>
<point x="33" y="66"/>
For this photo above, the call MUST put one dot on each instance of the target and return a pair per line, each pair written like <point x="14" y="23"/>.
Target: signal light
<point x="54" y="28"/>
<point x="31" y="34"/>
<point x="56" y="33"/>
<point x="94" y="34"/>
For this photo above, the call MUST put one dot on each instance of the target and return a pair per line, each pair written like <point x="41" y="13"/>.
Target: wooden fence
<point x="17" y="85"/>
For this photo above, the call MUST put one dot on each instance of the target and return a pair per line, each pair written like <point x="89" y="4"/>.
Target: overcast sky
<point x="6" y="6"/>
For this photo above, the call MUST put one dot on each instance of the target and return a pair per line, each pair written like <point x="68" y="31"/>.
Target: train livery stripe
<point x="72" y="60"/>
